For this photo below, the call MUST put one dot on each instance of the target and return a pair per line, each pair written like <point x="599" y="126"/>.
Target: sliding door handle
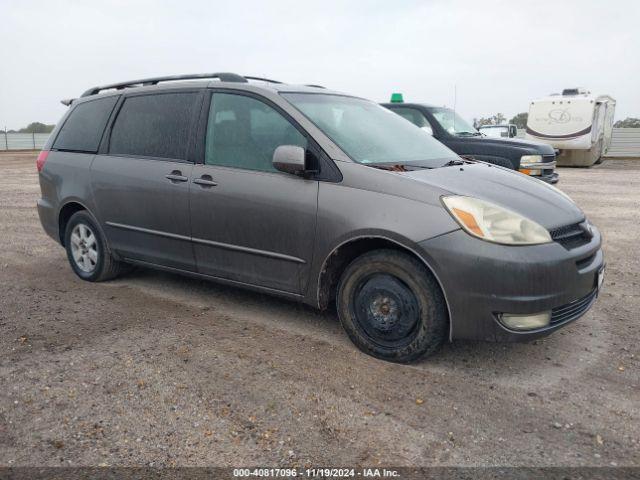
<point x="205" y="181"/>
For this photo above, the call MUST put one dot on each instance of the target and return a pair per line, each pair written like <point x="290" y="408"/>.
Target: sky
<point x="496" y="55"/>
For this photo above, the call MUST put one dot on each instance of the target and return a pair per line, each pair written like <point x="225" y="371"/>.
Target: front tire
<point x="87" y="251"/>
<point x="391" y="306"/>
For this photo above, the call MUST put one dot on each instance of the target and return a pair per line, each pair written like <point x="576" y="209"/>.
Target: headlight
<point x="531" y="165"/>
<point x="530" y="159"/>
<point x="493" y="223"/>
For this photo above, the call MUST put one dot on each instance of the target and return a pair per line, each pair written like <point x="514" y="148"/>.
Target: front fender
<point x="348" y="213"/>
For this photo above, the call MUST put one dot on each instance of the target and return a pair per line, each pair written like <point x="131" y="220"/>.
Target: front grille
<point x="571" y="236"/>
<point x="546" y="159"/>
<point x="573" y="310"/>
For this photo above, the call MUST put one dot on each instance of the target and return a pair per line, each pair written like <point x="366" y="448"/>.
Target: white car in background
<point x="507" y="130"/>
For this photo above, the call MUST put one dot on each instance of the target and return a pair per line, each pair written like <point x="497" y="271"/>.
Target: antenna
<point x="455" y="100"/>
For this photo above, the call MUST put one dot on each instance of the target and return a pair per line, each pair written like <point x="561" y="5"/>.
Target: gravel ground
<point x="158" y="369"/>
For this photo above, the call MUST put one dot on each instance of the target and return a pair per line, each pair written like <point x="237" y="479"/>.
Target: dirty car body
<point x="207" y="209"/>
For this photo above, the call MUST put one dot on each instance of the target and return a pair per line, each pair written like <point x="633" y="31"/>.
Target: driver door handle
<point x="205" y="181"/>
<point x="176" y="176"/>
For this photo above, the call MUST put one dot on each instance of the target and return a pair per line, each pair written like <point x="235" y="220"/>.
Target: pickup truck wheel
<point x="87" y="252"/>
<point x="391" y="306"/>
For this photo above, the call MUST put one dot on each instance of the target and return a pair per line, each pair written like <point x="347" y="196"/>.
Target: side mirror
<point x="290" y="159"/>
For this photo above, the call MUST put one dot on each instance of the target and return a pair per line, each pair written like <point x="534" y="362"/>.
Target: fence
<point x="625" y="142"/>
<point x="22" y="141"/>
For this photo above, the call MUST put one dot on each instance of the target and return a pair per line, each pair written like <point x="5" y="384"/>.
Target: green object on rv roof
<point x="396" y="98"/>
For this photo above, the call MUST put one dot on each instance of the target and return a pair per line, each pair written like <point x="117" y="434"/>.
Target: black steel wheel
<point x="391" y="306"/>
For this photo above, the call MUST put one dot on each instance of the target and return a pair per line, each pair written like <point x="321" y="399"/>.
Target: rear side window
<point x="83" y="129"/>
<point x="154" y="125"/>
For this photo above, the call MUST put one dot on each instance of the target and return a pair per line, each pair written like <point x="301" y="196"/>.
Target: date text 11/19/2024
<point x="316" y="472"/>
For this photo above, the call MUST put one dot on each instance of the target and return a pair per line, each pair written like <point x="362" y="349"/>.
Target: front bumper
<point x="544" y="171"/>
<point x="482" y="279"/>
<point x="551" y="177"/>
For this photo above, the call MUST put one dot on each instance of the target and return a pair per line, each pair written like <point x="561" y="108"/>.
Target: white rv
<point x="577" y="123"/>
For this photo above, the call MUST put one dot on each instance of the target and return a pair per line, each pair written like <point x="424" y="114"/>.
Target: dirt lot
<point x="158" y="369"/>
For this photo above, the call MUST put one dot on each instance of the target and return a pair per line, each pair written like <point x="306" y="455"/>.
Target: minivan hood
<point x="518" y="192"/>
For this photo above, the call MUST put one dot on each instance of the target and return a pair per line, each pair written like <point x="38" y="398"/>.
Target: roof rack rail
<point x="268" y="80"/>
<point x="315" y="86"/>
<point x="223" y="77"/>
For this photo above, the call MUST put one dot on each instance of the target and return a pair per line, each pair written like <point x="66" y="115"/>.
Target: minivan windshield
<point x="369" y="133"/>
<point x="452" y="122"/>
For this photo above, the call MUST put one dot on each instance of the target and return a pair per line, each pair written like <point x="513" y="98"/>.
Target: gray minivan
<point x="315" y="196"/>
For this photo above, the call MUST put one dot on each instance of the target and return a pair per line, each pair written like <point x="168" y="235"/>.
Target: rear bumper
<point x="48" y="219"/>
<point x="482" y="280"/>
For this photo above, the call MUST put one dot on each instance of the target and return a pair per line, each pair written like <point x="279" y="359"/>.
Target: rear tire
<point x="87" y="250"/>
<point x="391" y="306"/>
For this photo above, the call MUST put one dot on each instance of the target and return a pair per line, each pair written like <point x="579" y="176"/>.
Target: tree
<point x="479" y="122"/>
<point x="520" y="120"/>
<point x="629" y="122"/>
<point x="37" y="127"/>
<point x="497" y="119"/>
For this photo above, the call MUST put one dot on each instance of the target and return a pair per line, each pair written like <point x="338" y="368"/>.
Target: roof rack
<point x="268" y="80"/>
<point x="223" y="77"/>
<point x="315" y="86"/>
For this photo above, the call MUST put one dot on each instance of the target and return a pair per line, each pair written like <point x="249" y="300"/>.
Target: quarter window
<point x="83" y="130"/>
<point x="154" y="125"/>
<point x="243" y="132"/>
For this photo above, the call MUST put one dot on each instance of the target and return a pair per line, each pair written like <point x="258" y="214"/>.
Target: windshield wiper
<point x="396" y="167"/>
<point x="453" y="163"/>
<point x="464" y="160"/>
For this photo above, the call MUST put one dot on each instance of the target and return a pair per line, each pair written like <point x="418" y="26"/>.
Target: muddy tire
<point x="87" y="251"/>
<point x="391" y="306"/>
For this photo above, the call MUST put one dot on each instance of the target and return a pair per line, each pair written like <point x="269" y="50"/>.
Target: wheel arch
<point x="345" y="252"/>
<point x="64" y="215"/>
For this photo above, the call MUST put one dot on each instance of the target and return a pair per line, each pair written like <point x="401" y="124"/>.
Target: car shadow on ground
<point x="473" y="357"/>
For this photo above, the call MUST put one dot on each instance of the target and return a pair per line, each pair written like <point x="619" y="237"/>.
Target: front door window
<point x="243" y="132"/>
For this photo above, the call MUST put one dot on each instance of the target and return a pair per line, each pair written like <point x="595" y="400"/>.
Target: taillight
<point x="42" y="157"/>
